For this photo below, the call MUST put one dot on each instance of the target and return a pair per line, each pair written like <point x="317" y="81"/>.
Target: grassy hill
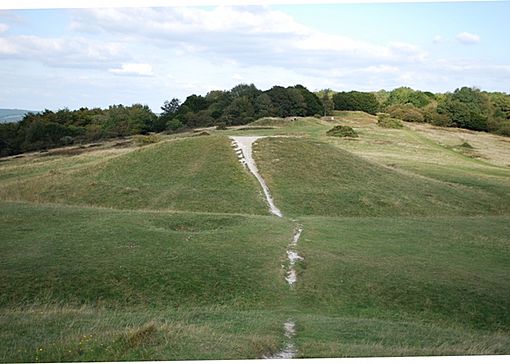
<point x="190" y="174"/>
<point x="168" y="251"/>
<point x="338" y="183"/>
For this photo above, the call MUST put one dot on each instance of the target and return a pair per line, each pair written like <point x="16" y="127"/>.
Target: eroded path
<point x="293" y="256"/>
<point x="243" y="148"/>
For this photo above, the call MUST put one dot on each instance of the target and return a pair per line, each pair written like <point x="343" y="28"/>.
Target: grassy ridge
<point x="308" y="177"/>
<point x="192" y="174"/>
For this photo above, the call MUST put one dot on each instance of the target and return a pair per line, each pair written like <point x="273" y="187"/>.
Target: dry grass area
<point x="30" y="165"/>
<point x="493" y="148"/>
<point x="419" y="145"/>
<point x="359" y="118"/>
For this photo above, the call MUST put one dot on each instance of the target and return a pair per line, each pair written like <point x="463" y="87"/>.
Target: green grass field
<point x="168" y="251"/>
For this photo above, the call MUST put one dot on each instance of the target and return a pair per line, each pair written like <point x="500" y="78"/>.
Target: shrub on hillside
<point x="67" y="140"/>
<point x="431" y="116"/>
<point x="407" y="112"/>
<point x="146" y="139"/>
<point x="504" y="129"/>
<point x="221" y="126"/>
<point x="466" y="145"/>
<point x="342" y="131"/>
<point x="386" y="121"/>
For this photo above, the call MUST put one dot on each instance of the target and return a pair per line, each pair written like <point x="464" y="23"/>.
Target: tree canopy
<point x="355" y="100"/>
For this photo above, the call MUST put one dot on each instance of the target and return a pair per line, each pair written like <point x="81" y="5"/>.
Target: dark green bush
<point x="221" y="126"/>
<point x="342" y="131"/>
<point x="386" y="121"/>
<point x="173" y="124"/>
<point x="466" y="145"/>
<point x="433" y="117"/>
<point x="407" y="112"/>
<point x="67" y="140"/>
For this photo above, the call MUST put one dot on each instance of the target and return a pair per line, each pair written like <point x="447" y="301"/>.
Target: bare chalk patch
<point x="297" y="235"/>
<point x="293" y="257"/>
<point x="289" y="351"/>
<point x="243" y="148"/>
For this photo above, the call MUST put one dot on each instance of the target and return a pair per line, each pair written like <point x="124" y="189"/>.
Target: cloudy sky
<point x="55" y="58"/>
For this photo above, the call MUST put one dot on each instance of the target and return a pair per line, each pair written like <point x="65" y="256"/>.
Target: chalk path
<point x="243" y="148"/>
<point x="289" y="351"/>
<point x="293" y="257"/>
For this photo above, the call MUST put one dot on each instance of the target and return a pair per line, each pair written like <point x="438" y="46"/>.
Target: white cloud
<point x="473" y="68"/>
<point x="61" y="52"/>
<point x="240" y="35"/>
<point x="468" y="38"/>
<point x="403" y="51"/>
<point x="194" y="50"/>
<point x="3" y="28"/>
<point x="381" y="69"/>
<point x="133" y="69"/>
<point x="178" y="20"/>
<point x="438" y="39"/>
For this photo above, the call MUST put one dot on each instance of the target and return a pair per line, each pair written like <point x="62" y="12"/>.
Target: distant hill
<point x="12" y="115"/>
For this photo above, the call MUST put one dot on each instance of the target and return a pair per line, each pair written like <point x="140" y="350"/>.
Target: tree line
<point x="240" y="105"/>
<point x="465" y="107"/>
<point x="49" y="129"/>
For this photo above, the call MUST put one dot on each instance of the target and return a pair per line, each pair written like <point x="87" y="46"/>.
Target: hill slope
<point x="313" y="178"/>
<point x="190" y="174"/>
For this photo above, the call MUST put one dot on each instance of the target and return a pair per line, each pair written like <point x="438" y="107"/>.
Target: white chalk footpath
<point x="289" y="351"/>
<point x="293" y="257"/>
<point x="243" y="148"/>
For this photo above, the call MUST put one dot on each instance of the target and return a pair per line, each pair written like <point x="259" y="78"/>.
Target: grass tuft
<point x="145" y="335"/>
